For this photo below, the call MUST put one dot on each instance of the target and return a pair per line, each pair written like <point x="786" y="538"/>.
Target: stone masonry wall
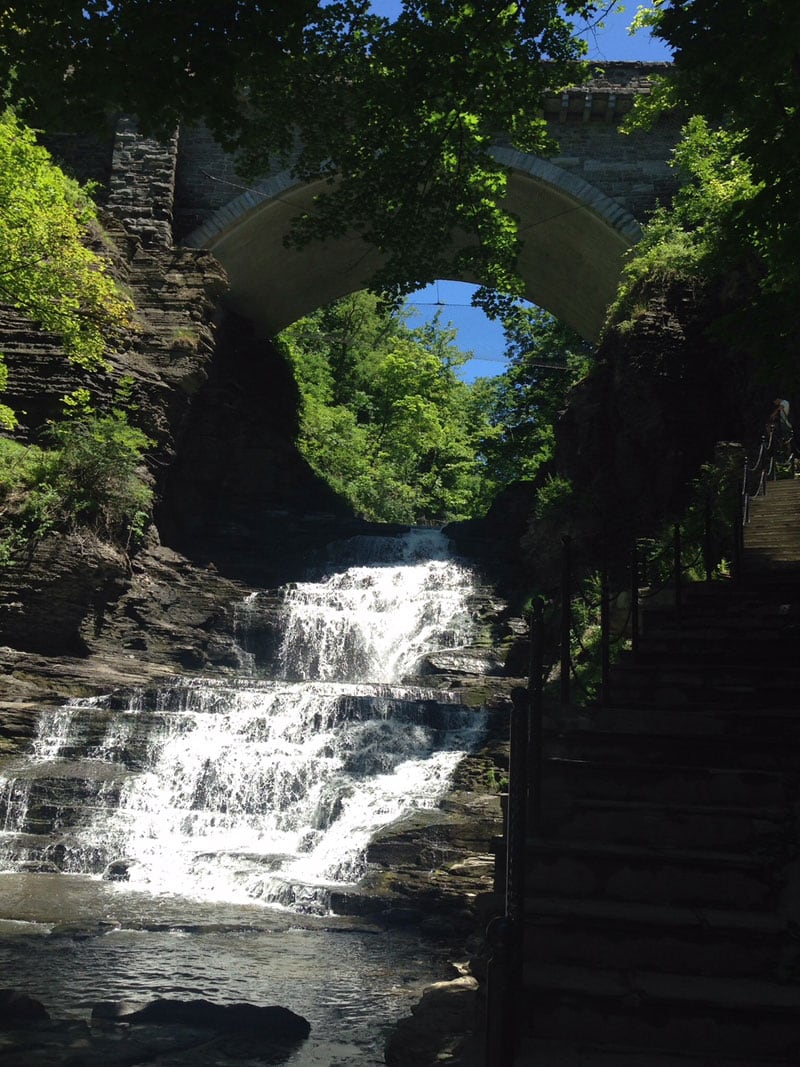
<point x="142" y="186"/>
<point x="630" y="169"/>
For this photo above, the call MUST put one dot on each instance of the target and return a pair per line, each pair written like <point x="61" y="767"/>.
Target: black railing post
<point x="738" y="539"/>
<point x="634" y="600"/>
<point x="566" y="616"/>
<point x="536" y="731"/>
<point x="677" y="565"/>
<point x="505" y="934"/>
<point x="605" y="627"/>
<point x="708" y="544"/>
<point x="517" y="804"/>
<point x="500" y="992"/>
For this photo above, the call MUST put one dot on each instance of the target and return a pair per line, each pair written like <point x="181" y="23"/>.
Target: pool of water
<point x="72" y="941"/>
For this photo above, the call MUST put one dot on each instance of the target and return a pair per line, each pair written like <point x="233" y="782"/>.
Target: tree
<point x="396" y="118"/>
<point x="545" y="358"/>
<point x="737" y="64"/>
<point x="48" y="269"/>
<point x="393" y="429"/>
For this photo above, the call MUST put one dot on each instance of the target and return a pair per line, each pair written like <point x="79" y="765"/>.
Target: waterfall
<point x="262" y="788"/>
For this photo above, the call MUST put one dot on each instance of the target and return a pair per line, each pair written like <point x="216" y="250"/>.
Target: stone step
<point x="670" y="826"/>
<point x="767" y="608"/>
<point x="703" y="786"/>
<point x="751" y="724"/>
<point x="778" y="751"/>
<point x="541" y="1052"/>
<point x="753" y="632"/>
<point x="58" y="795"/>
<point x="683" y="877"/>
<point x="775" y="650"/>
<point x="649" y="937"/>
<point x="662" y="1013"/>
<point x="704" y="682"/>
<point x="38" y="852"/>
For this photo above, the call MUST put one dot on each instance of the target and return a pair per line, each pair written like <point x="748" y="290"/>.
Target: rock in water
<point x="273" y="1021"/>
<point x="18" y="1009"/>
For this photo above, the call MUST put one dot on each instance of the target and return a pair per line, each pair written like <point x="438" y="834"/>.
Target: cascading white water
<point x="271" y="789"/>
<point x="372" y="623"/>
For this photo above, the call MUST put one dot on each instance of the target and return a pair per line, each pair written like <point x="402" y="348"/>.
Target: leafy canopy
<point x="737" y="64"/>
<point x="389" y="424"/>
<point x="396" y="119"/>
<point x="386" y="420"/>
<point x="522" y="405"/>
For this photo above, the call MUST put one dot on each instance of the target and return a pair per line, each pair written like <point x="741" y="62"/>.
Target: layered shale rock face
<point x="235" y="500"/>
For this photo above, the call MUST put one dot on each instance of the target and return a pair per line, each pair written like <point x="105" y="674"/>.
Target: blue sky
<point x="476" y="333"/>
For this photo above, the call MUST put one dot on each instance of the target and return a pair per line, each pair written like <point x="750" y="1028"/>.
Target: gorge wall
<point x="222" y="410"/>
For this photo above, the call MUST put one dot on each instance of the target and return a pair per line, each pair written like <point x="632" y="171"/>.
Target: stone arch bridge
<point x="579" y="211"/>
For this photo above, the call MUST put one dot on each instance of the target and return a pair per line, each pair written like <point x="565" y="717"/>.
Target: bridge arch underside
<point x="574" y="239"/>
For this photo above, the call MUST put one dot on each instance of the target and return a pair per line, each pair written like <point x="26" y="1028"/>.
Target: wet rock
<point x="274" y="1021"/>
<point x="435" y="1030"/>
<point x="468" y="661"/>
<point x="402" y="916"/>
<point x="83" y="931"/>
<point x="118" y="871"/>
<point x="18" y="1009"/>
<point x="38" y="867"/>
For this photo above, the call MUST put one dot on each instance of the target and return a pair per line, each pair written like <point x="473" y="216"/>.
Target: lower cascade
<point x="265" y="787"/>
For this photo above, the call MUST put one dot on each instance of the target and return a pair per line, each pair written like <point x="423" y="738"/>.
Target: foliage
<point x="8" y="418"/>
<point x="345" y="97"/>
<point x="554" y="494"/>
<point x="386" y="420"/>
<point x="545" y="358"/>
<point x="737" y="64"/>
<point x="99" y="476"/>
<point x="27" y="498"/>
<point x="696" y="236"/>
<point x="48" y="270"/>
<point x="91" y="476"/>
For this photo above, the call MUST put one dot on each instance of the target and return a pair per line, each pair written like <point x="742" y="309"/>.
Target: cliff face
<point x="665" y="390"/>
<point x="235" y="500"/>
<point x="666" y="387"/>
<point x="237" y="506"/>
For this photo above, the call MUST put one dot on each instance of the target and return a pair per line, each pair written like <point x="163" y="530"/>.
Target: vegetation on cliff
<point x="737" y="64"/>
<point x="695" y="238"/>
<point x="86" y="469"/>
<point x="49" y="270"/>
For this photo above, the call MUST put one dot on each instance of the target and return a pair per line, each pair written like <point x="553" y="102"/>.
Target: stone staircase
<point x="662" y="917"/>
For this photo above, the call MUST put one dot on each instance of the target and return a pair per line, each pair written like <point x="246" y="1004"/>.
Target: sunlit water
<point x="221" y="798"/>
<point x="351" y="983"/>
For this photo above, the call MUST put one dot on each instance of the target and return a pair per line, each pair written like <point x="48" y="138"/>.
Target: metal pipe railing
<point x="536" y="729"/>
<point x="566" y="618"/>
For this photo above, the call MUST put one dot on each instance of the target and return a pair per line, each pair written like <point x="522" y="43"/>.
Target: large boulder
<point x="275" y="1022"/>
<point x="19" y="1010"/>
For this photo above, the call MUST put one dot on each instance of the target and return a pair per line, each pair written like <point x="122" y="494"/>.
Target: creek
<point x="186" y="840"/>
